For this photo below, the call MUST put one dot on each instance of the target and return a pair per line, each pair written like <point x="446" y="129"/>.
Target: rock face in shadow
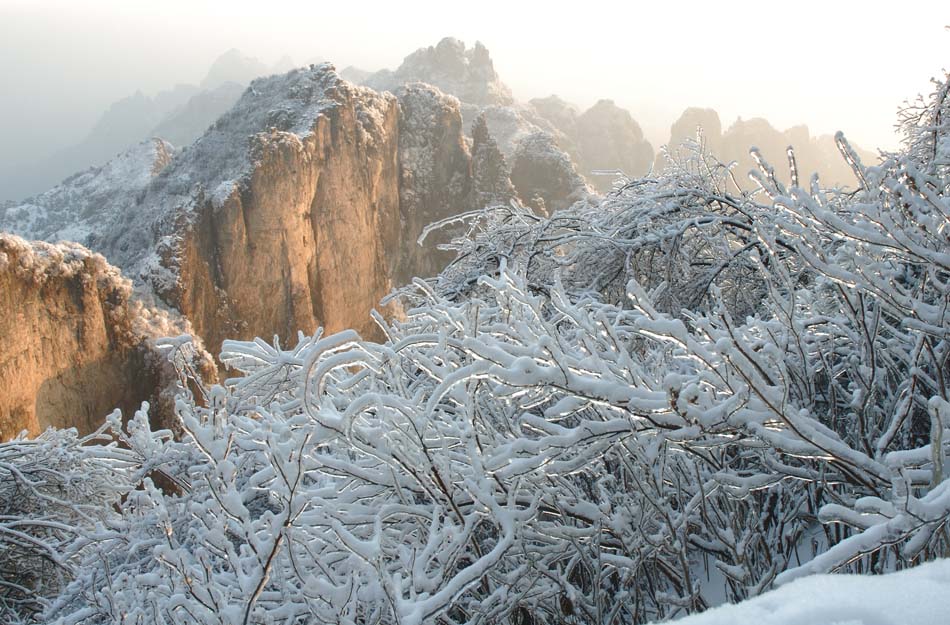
<point x="605" y="138"/>
<point x="544" y="176"/>
<point x="435" y="177"/>
<point x="75" y="346"/>
<point x="563" y="116"/>
<point x="470" y="76"/>
<point x="491" y="181"/>
<point x="608" y="138"/>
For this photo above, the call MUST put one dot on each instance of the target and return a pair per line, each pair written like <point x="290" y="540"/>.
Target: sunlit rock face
<point x="75" y="345"/>
<point x="298" y="208"/>
<point x="277" y="219"/>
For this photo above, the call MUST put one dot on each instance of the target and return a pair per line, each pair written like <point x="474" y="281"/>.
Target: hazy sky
<point x="832" y="65"/>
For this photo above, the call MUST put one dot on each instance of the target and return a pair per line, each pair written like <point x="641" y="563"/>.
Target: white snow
<point x="916" y="596"/>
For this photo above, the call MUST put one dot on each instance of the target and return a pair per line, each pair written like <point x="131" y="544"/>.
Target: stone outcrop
<point x="491" y="178"/>
<point x="544" y="176"/>
<point x="75" y="345"/>
<point x="435" y="178"/>
<point x="280" y="218"/>
<point x="299" y="208"/>
<point x="515" y="128"/>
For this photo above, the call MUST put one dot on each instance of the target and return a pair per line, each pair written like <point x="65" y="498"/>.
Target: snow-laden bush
<point x="619" y="413"/>
<point x="53" y="489"/>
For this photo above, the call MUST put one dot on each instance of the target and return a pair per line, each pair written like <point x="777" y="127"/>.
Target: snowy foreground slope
<point x="916" y="596"/>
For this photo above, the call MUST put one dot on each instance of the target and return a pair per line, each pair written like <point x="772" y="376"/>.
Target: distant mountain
<point x="179" y="115"/>
<point x="812" y="154"/>
<point x="515" y="128"/>
<point x="467" y="74"/>
<point x="233" y="66"/>
<point x="604" y="139"/>
<point x="125" y="123"/>
<point x="185" y="124"/>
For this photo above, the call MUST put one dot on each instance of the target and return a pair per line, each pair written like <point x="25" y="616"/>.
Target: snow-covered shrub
<point x="53" y="489"/>
<point x="622" y="412"/>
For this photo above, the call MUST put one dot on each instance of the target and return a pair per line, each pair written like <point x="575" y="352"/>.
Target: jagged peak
<point x="467" y="73"/>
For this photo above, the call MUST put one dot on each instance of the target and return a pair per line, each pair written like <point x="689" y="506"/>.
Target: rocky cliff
<point x="278" y="218"/>
<point x="469" y="75"/>
<point x="435" y="176"/>
<point x="75" y="345"/>
<point x="298" y="208"/>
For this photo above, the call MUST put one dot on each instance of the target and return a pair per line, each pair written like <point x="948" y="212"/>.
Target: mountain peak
<point x="466" y="73"/>
<point x="233" y="66"/>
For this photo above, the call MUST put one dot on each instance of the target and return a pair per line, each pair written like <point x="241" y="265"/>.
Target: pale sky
<point x="831" y="65"/>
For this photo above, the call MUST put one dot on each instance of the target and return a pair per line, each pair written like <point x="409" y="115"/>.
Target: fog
<point x="828" y="65"/>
